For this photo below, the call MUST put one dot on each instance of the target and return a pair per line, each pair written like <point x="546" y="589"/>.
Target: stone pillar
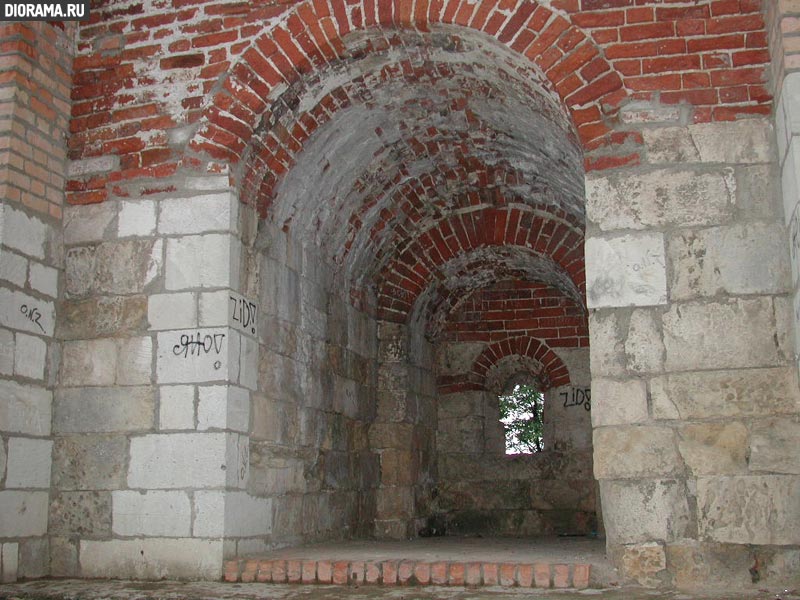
<point x="688" y="282"/>
<point x="403" y="432"/>
<point x="34" y="104"/>
<point x="152" y="414"/>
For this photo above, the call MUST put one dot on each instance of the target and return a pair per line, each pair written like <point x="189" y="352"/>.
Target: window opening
<point x="521" y="412"/>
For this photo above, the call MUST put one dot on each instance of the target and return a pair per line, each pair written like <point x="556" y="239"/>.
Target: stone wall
<point x="35" y="70"/>
<point x="688" y="279"/>
<point x="316" y="394"/>
<point x="479" y="355"/>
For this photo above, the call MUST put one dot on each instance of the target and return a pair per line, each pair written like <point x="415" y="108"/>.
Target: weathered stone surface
<point x="618" y="402"/>
<point x="658" y="198"/>
<point x="136" y="218"/>
<point x="210" y="260"/>
<point x="89" y="362"/>
<point x="628" y="270"/>
<point x="749" y="509"/>
<point x="102" y="316"/>
<point x="28" y="463"/>
<point x="713" y="448"/>
<point x="198" y="214"/>
<point x="22" y="232"/>
<point x="104" y="410"/>
<point x="725" y="393"/>
<point x="697" y="565"/>
<point x="744" y="141"/>
<point x="25" y="513"/>
<point x="635" y="451"/>
<point x="644" y="347"/>
<point x="607" y="350"/>
<point x="178" y="460"/>
<point x="124" y="267"/>
<point x="774" y="446"/>
<point x="172" y="311"/>
<point x="30" y="356"/>
<point x="25" y="408"/>
<point x="151" y="514"/>
<point x="758" y="193"/>
<point x="197" y="355"/>
<point x="34" y="558"/>
<point x="63" y="556"/>
<point x="737" y="259"/>
<point x="644" y="511"/>
<point x="644" y="564"/>
<point x="84" y="514"/>
<point x="735" y="333"/>
<point x="669" y="145"/>
<point x="456" y="358"/>
<point x="134" y="361"/>
<point x="176" y="407"/>
<point x="89" y="462"/>
<point x="152" y="558"/>
<point x="89" y="223"/>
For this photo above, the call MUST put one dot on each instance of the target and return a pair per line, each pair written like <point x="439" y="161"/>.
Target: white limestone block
<point x="223" y="407"/>
<point x="232" y="514"/>
<point x="104" y="409"/>
<point x="790" y="180"/>
<point x="172" y="311"/>
<point x="25" y="408"/>
<point x="134" y="361"/>
<point x="197" y="355"/>
<point x="248" y="363"/>
<point x="29" y="462"/>
<point x="214" y="309"/>
<point x="153" y="513"/>
<point x="176" y="407"/>
<point x="9" y="558"/>
<point x="618" y="402"/>
<point x="89" y="223"/>
<point x="30" y="356"/>
<point x="136" y="218"/>
<point x="23" y="233"/>
<point x="158" y="558"/>
<point x="13" y="268"/>
<point x="626" y="271"/>
<point x="89" y="362"/>
<point x="198" y="214"/>
<point x="7" y="347"/>
<point x="25" y="313"/>
<point x="178" y="460"/>
<point x="210" y="260"/>
<point x="734" y="142"/>
<point x="44" y="279"/>
<point x="24" y="513"/>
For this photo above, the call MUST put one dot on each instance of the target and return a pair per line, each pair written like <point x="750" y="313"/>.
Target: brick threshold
<point x="408" y="573"/>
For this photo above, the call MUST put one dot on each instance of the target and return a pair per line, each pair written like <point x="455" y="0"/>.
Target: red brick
<point x="405" y="571"/>
<point x="422" y="573"/>
<point x="508" y="574"/>
<point x="309" y="573"/>
<point x="439" y="573"/>
<point x="389" y="570"/>
<point x="580" y="576"/>
<point x="357" y="569"/>
<point x="541" y="575"/>
<point x="249" y="571"/>
<point x="457" y="573"/>
<point x="340" y="572"/>
<point x="325" y="571"/>
<point x="560" y="576"/>
<point x="231" y="570"/>
<point x="279" y="571"/>
<point x="525" y="575"/>
<point x="264" y="571"/>
<point x="490" y="574"/>
<point x="372" y="572"/>
<point x="473" y="574"/>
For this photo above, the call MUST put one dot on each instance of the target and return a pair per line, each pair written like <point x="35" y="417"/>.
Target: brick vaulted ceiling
<point x="429" y="148"/>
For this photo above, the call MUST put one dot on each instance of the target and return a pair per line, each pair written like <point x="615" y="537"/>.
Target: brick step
<point x="407" y="572"/>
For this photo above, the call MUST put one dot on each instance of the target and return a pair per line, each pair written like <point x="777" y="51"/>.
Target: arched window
<point x="521" y="409"/>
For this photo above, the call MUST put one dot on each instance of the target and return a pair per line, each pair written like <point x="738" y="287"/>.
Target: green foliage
<point x="521" y="415"/>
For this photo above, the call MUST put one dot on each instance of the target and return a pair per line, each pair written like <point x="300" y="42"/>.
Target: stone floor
<point x="127" y="590"/>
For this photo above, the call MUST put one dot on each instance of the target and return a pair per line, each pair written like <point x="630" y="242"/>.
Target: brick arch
<point x="552" y="372"/>
<point x="422" y="258"/>
<point x="311" y="36"/>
